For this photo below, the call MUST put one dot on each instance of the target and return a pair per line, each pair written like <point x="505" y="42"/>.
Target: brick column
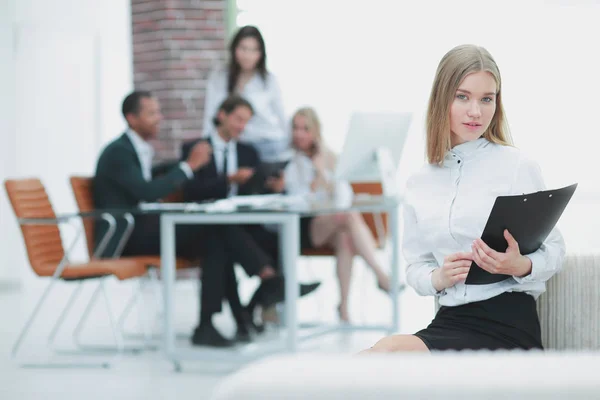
<point x="176" y="43"/>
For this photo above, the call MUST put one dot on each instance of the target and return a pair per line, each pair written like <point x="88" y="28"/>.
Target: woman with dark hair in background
<point x="246" y="75"/>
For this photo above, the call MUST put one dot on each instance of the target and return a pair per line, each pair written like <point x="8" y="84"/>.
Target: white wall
<point x="341" y="56"/>
<point x="66" y="66"/>
<point x="7" y="123"/>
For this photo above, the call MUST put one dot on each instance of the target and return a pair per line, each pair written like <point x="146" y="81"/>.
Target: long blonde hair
<point x="313" y="123"/>
<point x="453" y="68"/>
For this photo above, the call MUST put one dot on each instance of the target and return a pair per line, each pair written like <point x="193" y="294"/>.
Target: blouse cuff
<point x="427" y="286"/>
<point x="537" y="259"/>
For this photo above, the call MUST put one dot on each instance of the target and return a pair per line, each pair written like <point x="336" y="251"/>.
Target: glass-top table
<point x="287" y="216"/>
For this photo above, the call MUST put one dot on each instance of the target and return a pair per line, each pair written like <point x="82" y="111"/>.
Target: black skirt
<point x="505" y="322"/>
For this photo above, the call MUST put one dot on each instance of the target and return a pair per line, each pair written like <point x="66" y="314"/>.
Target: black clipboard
<point x="529" y="218"/>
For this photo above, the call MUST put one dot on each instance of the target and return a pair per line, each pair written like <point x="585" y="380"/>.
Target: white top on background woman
<point x="247" y="75"/>
<point x="471" y="162"/>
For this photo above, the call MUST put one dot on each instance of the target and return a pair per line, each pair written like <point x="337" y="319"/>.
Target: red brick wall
<point x="175" y="45"/>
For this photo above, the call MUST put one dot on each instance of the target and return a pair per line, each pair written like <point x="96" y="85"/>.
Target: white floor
<point x="148" y="375"/>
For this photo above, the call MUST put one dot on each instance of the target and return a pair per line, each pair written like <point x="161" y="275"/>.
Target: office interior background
<point x="66" y="65"/>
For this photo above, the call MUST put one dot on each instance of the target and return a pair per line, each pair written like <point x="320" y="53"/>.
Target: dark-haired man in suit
<point x="231" y="172"/>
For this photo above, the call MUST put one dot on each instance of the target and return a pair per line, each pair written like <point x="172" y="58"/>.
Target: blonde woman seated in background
<point x="309" y="173"/>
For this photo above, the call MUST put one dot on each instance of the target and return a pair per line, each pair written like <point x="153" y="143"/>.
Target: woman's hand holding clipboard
<point x="529" y="219"/>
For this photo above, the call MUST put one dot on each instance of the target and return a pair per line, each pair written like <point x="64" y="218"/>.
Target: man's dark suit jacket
<point x="119" y="184"/>
<point x="209" y="185"/>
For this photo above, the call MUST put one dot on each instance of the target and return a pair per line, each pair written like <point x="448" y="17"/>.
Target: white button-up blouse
<point x="447" y="207"/>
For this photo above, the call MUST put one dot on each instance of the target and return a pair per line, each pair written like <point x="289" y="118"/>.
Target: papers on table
<point x="231" y="204"/>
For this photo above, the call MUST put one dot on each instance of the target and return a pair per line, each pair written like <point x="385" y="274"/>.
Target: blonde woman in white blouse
<point x="309" y="173"/>
<point x="471" y="162"/>
<point x="246" y="74"/>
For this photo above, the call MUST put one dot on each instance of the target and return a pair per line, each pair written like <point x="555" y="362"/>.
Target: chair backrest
<point x="374" y="188"/>
<point x="569" y="310"/>
<point x="44" y="246"/>
<point x="82" y="187"/>
<point x="82" y="191"/>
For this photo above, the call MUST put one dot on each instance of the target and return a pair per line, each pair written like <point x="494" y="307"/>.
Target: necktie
<point x="224" y="169"/>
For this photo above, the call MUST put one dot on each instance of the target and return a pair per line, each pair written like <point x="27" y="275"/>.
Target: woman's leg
<point x="331" y="230"/>
<point x="397" y="343"/>
<point x="324" y="228"/>
<point x="365" y="246"/>
<point x="344" y="253"/>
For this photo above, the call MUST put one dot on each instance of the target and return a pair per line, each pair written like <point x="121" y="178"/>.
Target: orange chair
<point x="47" y="256"/>
<point x="82" y="191"/>
<point x="377" y="222"/>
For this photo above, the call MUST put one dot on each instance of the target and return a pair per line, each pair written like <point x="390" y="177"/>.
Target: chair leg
<point x="146" y="334"/>
<point x="31" y="318"/>
<point x="23" y="333"/>
<point x="158" y="296"/>
<point x="54" y="365"/>
<point x="64" y="313"/>
<point x="142" y="320"/>
<point x="84" y="316"/>
<point x="113" y="325"/>
<point x="119" y="347"/>
<point x="152" y="272"/>
<point x="133" y="300"/>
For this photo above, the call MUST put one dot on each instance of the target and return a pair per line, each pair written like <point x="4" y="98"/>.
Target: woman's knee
<point x="398" y="343"/>
<point x="343" y="220"/>
<point x="354" y="216"/>
<point x="352" y="219"/>
<point x="344" y="242"/>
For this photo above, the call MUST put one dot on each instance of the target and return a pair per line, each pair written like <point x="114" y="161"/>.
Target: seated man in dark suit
<point x="229" y="173"/>
<point x="124" y="178"/>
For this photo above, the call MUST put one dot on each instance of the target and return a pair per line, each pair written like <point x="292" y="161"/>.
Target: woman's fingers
<point x="459" y="256"/>
<point x="477" y="258"/>
<point x="486" y="258"/>
<point x="456" y="268"/>
<point x="458" y="264"/>
<point x="460" y="271"/>
<point x="484" y="261"/>
<point x="484" y="248"/>
<point x="460" y="277"/>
